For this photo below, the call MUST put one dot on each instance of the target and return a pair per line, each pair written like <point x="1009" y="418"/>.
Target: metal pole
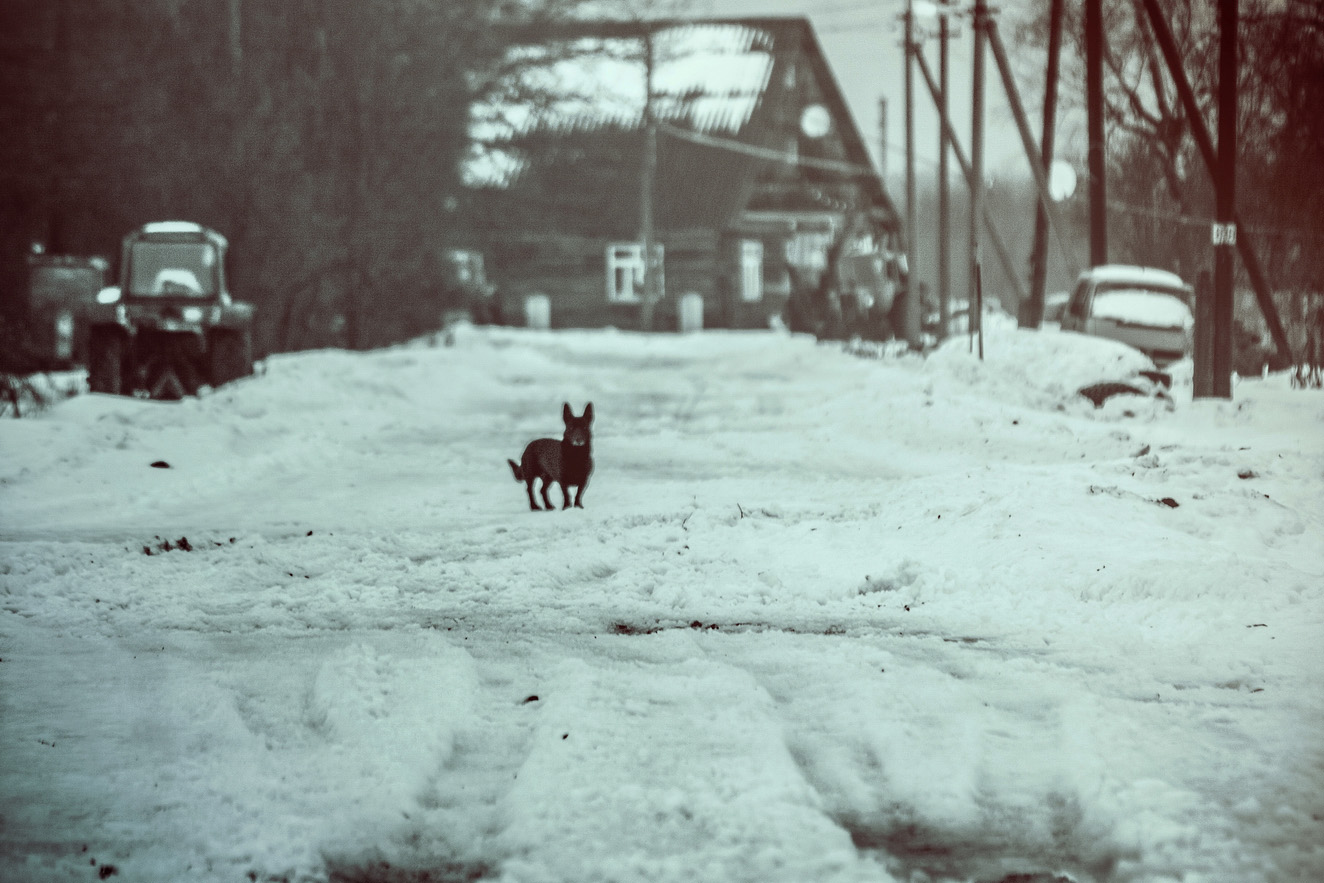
<point x="1032" y="313"/>
<point x="1226" y="197"/>
<point x="1094" y="109"/>
<point x="977" y="151"/>
<point x="911" y="305"/>
<point x="944" y="190"/>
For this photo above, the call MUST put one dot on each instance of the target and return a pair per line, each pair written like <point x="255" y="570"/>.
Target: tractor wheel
<point x="105" y="363"/>
<point x="229" y="357"/>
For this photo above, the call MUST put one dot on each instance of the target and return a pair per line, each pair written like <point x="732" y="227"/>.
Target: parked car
<point x="1142" y="307"/>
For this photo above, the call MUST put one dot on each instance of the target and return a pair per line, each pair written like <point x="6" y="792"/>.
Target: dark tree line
<point x="324" y="138"/>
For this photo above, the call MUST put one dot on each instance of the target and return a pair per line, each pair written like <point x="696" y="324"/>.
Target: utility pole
<point x="1038" y="169"/>
<point x="911" y="305"/>
<point x="1094" y="109"/>
<point x="882" y="139"/>
<point x="944" y="191"/>
<point x="647" y="235"/>
<point x="1009" y="267"/>
<point x="1224" y="231"/>
<point x="1244" y="240"/>
<point x="1032" y="311"/>
<point x="977" y="156"/>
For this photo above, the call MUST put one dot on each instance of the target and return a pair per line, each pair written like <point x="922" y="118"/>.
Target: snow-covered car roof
<point x="1134" y="274"/>
<point x="182" y="227"/>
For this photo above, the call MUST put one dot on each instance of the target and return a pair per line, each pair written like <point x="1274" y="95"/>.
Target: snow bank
<point x="823" y="618"/>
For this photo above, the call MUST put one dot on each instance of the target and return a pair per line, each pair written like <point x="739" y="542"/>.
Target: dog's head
<point x="578" y="431"/>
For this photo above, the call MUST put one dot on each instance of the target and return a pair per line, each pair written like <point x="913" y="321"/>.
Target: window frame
<point x="751" y="270"/>
<point x="626" y="261"/>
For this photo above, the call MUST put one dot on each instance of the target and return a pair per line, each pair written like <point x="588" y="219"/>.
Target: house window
<point x="751" y="270"/>
<point x="625" y="271"/>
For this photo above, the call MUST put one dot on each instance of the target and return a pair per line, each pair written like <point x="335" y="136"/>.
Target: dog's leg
<point x="546" y="500"/>
<point x="528" y="485"/>
<point x="579" y="494"/>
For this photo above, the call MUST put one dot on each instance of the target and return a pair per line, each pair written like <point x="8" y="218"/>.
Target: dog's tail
<point x="514" y="467"/>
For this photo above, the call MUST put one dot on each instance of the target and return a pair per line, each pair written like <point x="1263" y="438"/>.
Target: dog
<point x="568" y="462"/>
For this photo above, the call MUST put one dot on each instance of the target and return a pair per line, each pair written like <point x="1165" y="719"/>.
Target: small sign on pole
<point x="1223" y="234"/>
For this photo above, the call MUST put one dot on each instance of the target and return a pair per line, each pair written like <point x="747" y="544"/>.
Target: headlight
<point x="109" y="295"/>
<point x="191" y="314"/>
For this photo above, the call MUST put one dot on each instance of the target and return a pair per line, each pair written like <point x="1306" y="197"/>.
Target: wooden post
<point x="648" y="176"/>
<point x="977" y="150"/>
<point x="990" y="224"/>
<point x="911" y="305"/>
<point x="1225" y="186"/>
<point x="1098" y="164"/>
<point x="1038" y="169"/>
<point x="882" y="139"/>
<point x="944" y="190"/>
<point x="1203" y="355"/>
<point x="1245" y="246"/>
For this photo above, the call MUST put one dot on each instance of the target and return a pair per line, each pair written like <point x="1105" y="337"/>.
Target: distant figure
<point x="568" y="462"/>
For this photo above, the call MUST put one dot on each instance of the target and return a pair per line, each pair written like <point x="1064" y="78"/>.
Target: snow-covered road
<point x="823" y="618"/>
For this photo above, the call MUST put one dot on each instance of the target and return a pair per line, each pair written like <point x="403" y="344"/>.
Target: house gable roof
<point x="721" y="94"/>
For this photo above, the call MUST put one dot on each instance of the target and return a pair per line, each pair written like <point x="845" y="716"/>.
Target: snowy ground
<point x="824" y="618"/>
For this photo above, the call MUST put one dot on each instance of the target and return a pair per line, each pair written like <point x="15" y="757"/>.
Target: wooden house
<point x="752" y="176"/>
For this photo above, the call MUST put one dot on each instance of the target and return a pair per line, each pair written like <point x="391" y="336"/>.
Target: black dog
<point x="567" y="462"/>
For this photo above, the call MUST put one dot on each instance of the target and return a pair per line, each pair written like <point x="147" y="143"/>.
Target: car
<point x="1143" y="307"/>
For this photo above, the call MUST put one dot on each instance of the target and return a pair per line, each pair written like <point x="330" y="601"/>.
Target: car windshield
<point x="1143" y="306"/>
<point x="173" y="268"/>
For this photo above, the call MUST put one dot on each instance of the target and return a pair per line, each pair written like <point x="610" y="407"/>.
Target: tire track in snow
<point x="654" y="756"/>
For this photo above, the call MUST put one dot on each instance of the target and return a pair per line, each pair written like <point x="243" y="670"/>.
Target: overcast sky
<point x="862" y="40"/>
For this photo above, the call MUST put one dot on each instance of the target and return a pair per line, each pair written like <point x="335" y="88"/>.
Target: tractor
<point x="170" y="326"/>
<point x="60" y="288"/>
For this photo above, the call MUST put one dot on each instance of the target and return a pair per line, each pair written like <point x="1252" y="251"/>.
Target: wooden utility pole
<point x="1200" y="132"/>
<point x="1009" y="267"/>
<point x="1224" y="231"/>
<point x="647" y="234"/>
<point x="911" y="305"/>
<point x="1032" y="155"/>
<point x="1032" y="311"/>
<point x="1094" y="108"/>
<point x="977" y="154"/>
<point x="882" y="138"/>
<point x="944" y="191"/>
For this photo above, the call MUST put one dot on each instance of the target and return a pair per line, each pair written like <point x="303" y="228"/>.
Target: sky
<point x="824" y="616"/>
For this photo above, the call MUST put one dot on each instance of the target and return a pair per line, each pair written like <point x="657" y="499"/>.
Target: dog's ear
<point x="588" y="412"/>
<point x="566" y="413"/>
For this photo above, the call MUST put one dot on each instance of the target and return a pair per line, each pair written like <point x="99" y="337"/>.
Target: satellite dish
<point x="815" y="121"/>
<point x="1061" y="180"/>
